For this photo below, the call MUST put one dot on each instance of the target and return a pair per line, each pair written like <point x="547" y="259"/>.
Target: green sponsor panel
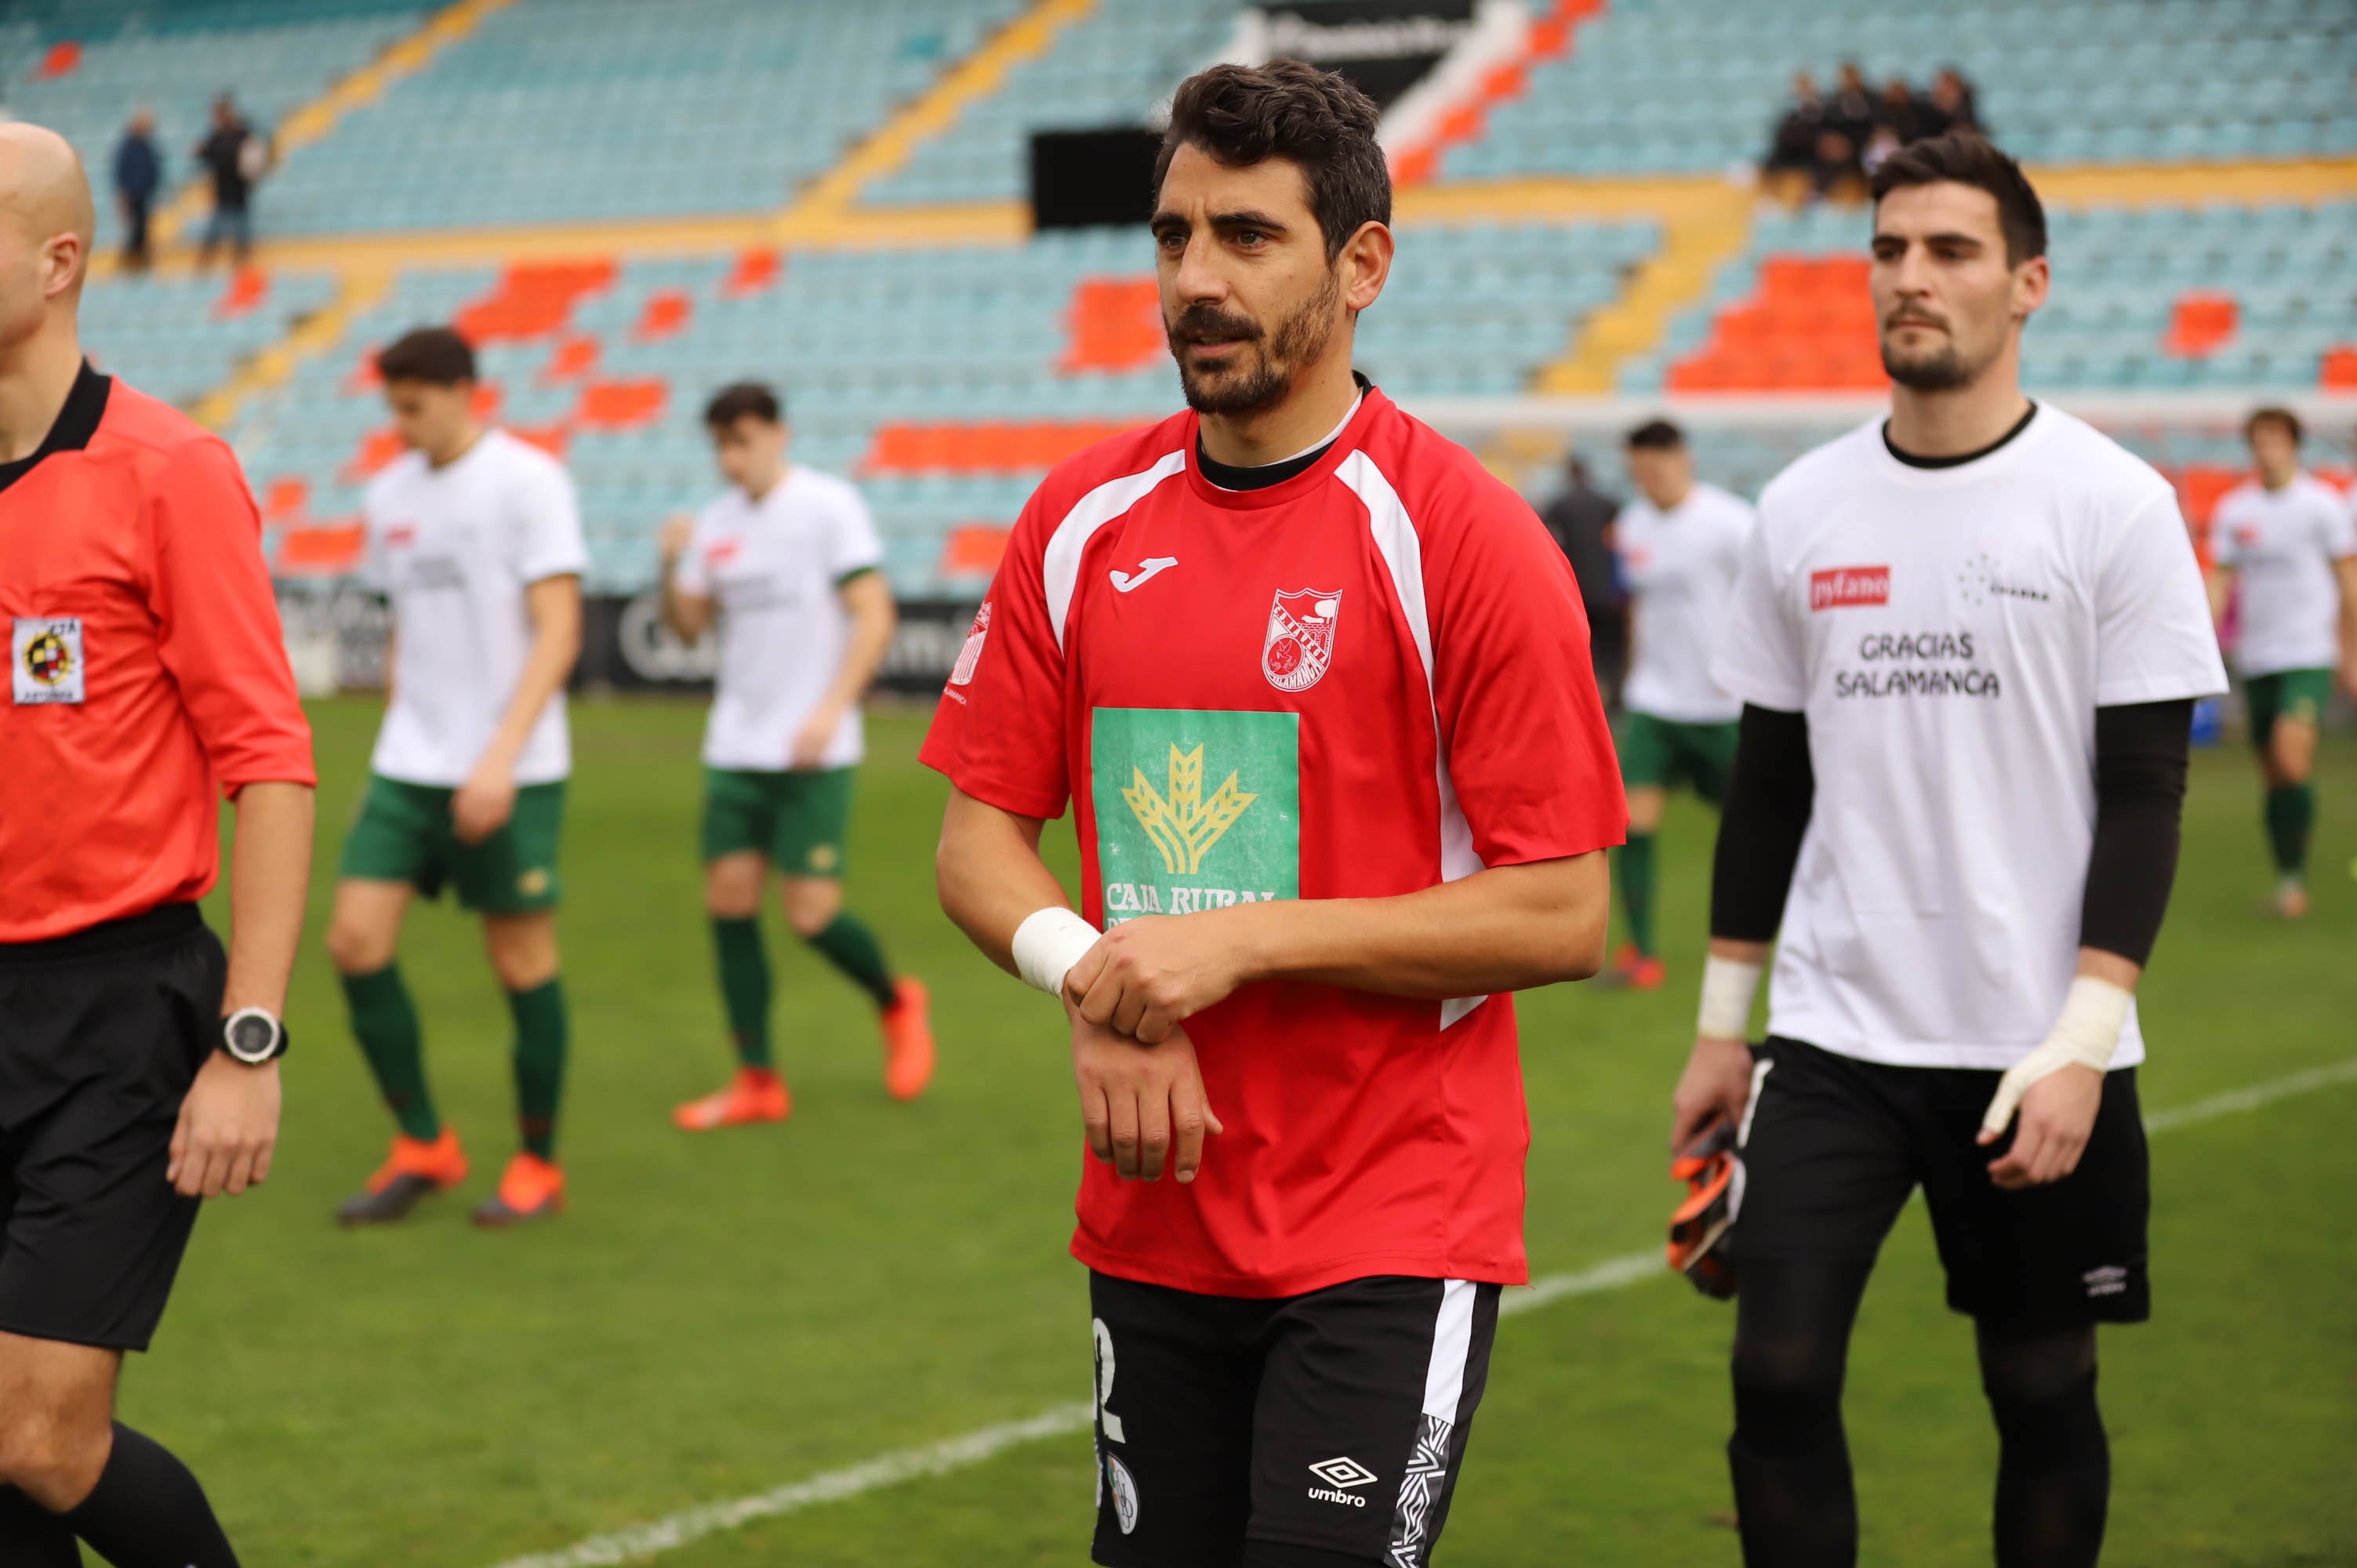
<point x="1195" y="810"/>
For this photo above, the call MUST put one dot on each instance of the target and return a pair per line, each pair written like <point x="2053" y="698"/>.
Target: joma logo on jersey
<point x="1299" y="647"/>
<point x="1183" y="825"/>
<point x="1839" y="587"/>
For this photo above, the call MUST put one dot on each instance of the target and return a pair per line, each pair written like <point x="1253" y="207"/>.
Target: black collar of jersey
<point x="77" y="422"/>
<point x="1962" y="458"/>
<point x="1260" y="477"/>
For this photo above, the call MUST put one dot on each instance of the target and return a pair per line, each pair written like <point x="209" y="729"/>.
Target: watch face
<point x="251" y="1036"/>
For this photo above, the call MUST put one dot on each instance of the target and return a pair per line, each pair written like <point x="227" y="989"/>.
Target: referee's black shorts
<point x="100" y="1034"/>
<point x="1833" y="1145"/>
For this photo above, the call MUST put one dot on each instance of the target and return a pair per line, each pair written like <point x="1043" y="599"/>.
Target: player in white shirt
<point x="476" y="538"/>
<point x="1968" y="641"/>
<point x="2288" y="540"/>
<point x="786" y="563"/>
<point x="1681" y="546"/>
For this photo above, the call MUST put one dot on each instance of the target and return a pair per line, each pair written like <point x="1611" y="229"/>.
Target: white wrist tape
<point x="1727" y="987"/>
<point x="1047" y="943"/>
<point x="2087" y="1034"/>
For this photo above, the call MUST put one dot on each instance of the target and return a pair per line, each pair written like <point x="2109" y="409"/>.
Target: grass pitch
<point x="720" y="1314"/>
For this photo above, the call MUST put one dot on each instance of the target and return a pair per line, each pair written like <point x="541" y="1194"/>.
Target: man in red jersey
<point x="1291" y="646"/>
<point x="139" y="1069"/>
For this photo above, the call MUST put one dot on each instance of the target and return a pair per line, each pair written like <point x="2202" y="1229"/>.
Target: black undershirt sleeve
<point x="2141" y="753"/>
<point x="1769" y="796"/>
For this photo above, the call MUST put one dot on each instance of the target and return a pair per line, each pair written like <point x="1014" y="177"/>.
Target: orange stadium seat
<point x="2340" y="369"/>
<point x="1115" y="325"/>
<point x="533" y="300"/>
<point x="248" y="287"/>
<point x="1809" y="327"/>
<point x="321" y="549"/>
<point x="973" y="550"/>
<point x="575" y="356"/>
<point x="666" y="314"/>
<point x="2199" y="323"/>
<point x="754" y="270"/>
<point x="621" y="405"/>
<point x="286" y="498"/>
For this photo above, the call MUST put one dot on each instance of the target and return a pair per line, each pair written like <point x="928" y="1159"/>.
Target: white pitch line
<point x="642" y="1541"/>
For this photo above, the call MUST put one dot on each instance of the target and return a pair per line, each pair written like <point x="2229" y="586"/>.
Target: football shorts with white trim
<point x="1834" y="1145"/>
<point x="1334" y="1420"/>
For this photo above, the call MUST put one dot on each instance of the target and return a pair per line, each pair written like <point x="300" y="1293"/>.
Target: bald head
<point x="43" y="191"/>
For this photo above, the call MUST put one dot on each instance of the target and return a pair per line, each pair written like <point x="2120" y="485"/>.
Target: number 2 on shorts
<point x="1107" y="1420"/>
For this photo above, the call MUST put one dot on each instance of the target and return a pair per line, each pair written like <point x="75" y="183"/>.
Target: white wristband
<point x="2086" y="1034"/>
<point x="1047" y="943"/>
<point x="1727" y="987"/>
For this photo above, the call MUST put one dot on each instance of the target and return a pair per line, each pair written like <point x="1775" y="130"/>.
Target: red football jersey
<point x="1369" y="679"/>
<point x="147" y="674"/>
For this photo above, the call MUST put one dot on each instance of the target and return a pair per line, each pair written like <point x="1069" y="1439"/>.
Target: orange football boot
<point x="755" y="1094"/>
<point x="907" y="1039"/>
<point x="532" y="1188"/>
<point x="415" y="1169"/>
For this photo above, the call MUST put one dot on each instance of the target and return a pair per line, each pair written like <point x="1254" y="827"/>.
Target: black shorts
<point x="100" y="1034"/>
<point x="1834" y="1145"/>
<point x="1334" y="1421"/>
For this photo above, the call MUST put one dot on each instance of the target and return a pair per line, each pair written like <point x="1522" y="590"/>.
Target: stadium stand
<point x="80" y="65"/>
<point x="1695" y="86"/>
<point x="946" y="373"/>
<point x="564" y="111"/>
<point x="946" y="379"/>
<point x="1108" y="68"/>
<point x="2144" y="298"/>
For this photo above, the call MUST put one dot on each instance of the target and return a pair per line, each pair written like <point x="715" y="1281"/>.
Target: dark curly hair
<point x="1241" y="114"/>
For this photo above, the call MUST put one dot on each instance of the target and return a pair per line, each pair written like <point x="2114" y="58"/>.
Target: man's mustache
<point x="1202" y="323"/>
<point x="1910" y="318"/>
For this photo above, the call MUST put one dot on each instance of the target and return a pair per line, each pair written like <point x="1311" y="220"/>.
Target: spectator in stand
<point x="1951" y="105"/>
<point x="1788" y="172"/>
<point x="1897" y="119"/>
<point x="1580" y="520"/>
<point x="235" y="156"/>
<point x="138" y="171"/>
<point x="1851" y="110"/>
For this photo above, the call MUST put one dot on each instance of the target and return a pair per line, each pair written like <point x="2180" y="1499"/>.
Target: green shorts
<point x="1663" y="753"/>
<point x="2299" y="694"/>
<point x="798" y="820"/>
<point x="403" y="833"/>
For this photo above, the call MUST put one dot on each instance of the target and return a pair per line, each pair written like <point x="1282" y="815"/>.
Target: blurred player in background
<point x="788" y="563"/>
<point x="2289" y="542"/>
<point x="475" y="537"/>
<point x="138" y="1064"/>
<point x="1968" y="639"/>
<point x="1317" y="688"/>
<point x="1681" y="544"/>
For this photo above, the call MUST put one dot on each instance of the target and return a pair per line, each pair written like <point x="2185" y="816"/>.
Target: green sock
<point x="851" y="947"/>
<point x="2291" y="812"/>
<point x="744" y="986"/>
<point x="1637" y="890"/>
<point x="540" y="1039"/>
<point x="386" y="1020"/>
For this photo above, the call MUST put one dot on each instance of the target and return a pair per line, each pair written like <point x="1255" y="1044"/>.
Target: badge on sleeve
<point x="45" y="662"/>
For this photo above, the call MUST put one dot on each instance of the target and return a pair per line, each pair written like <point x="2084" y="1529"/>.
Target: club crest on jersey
<point x="962" y="672"/>
<point x="1299" y="646"/>
<point x="1841" y="587"/>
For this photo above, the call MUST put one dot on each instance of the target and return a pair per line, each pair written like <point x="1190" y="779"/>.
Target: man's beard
<point x="1299" y="338"/>
<point x="1943" y="369"/>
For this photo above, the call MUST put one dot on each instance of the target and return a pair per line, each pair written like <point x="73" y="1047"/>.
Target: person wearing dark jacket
<point x="138" y="172"/>
<point x="229" y="154"/>
<point x="1580" y="520"/>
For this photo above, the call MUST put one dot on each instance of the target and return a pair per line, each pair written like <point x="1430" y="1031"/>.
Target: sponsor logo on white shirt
<point x="1843" y="588"/>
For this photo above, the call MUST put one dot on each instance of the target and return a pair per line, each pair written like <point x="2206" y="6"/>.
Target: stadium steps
<point x="188" y="207"/>
<point x="1701" y="230"/>
<point x="310" y="336"/>
<point x="1029" y="35"/>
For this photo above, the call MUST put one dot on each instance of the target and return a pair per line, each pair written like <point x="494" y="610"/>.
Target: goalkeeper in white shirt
<point x="1968" y="639"/>
<point x="786" y="564"/>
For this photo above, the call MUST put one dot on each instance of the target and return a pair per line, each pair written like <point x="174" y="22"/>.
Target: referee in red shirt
<point x="139" y="1063"/>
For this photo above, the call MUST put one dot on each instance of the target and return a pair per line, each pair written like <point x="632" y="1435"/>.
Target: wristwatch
<point x="253" y="1036"/>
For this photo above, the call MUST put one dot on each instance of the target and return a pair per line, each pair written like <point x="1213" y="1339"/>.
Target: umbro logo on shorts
<point x="1839" y="587"/>
<point x="1341" y="1474"/>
